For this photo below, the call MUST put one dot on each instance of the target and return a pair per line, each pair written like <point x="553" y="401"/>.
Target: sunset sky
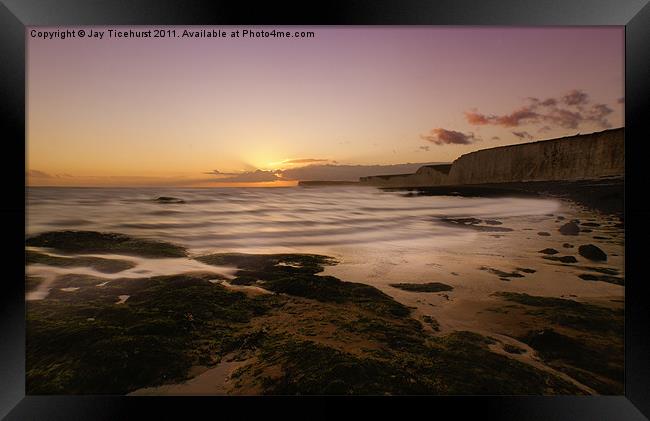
<point x="197" y="112"/>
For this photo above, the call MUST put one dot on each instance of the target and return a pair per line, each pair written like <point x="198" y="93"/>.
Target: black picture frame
<point x="15" y="15"/>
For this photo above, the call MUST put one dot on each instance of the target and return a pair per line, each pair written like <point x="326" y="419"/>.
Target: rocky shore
<point x="283" y="324"/>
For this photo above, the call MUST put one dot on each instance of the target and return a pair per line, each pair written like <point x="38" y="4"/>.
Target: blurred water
<point x="256" y="218"/>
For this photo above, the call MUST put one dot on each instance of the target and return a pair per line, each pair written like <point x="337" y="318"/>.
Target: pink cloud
<point x="441" y="136"/>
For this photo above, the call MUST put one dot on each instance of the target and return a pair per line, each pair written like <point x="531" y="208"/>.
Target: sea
<point x="313" y="219"/>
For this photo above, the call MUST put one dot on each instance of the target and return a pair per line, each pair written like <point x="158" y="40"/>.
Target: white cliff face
<point x="571" y="158"/>
<point x="579" y="157"/>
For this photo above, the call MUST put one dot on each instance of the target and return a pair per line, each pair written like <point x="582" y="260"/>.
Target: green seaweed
<point x="431" y="322"/>
<point x="584" y="340"/>
<point x="294" y="274"/>
<point x="447" y="366"/>
<point x="83" y="342"/>
<point x="570" y="313"/>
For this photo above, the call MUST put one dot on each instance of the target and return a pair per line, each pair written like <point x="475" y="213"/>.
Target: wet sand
<point x="461" y="265"/>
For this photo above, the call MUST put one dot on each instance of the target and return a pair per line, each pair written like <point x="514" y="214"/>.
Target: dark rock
<point x="590" y="224"/>
<point x="526" y="270"/>
<point x="105" y="242"/>
<point x="428" y="287"/>
<point x="591" y="252"/>
<point x="493" y="222"/>
<point x="599" y="237"/>
<point x="606" y="271"/>
<point x="563" y="259"/>
<point x="586" y="230"/>
<point x="543" y="233"/>
<point x="570" y="228"/>
<point x="502" y="274"/>
<point x="549" y="251"/>
<point x="169" y="200"/>
<point x="602" y="278"/>
<point x="567" y="246"/>
<point x="473" y="223"/>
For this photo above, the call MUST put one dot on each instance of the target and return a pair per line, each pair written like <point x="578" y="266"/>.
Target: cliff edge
<point x="580" y="157"/>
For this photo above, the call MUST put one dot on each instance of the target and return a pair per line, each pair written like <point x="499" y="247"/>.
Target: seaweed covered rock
<point x="105" y="242"/>
<point x="295" y="274"/>
<point x="98" y="263"/>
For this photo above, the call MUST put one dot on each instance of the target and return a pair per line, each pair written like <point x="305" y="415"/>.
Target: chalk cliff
<point x="424" y="176"/>
<point x="580" y="157"/>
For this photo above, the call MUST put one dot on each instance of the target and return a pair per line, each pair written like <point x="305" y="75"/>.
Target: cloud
<point x="599" y="111"/>
<point x="477" y="119"/>
<point x="330" y="172"/>
<point x="517" y="117"/>
<point x="523" y="135"/>
<point x="513" y="119"/>
<point x="564" y="118"/>
<point x="575" y="97"/>
<point x="217" y="172"/>
<point x="441" y="136"/>
<point x="550" y="102"/>
<point x="304" y="161"/>
<point x="568" y="111"/>
<point x="38" y="174"/>
<point x="245" y="177"/>
<point x="425" y="148"/>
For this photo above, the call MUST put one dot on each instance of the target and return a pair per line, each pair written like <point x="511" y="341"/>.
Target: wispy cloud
<point x="575" y="97"/>
<point x="523" y="135"/>
<point x="567" y="111"/>
<point x="441" y="136"/>
<point x="245" y="176"/>
<point x="513" y="119"/>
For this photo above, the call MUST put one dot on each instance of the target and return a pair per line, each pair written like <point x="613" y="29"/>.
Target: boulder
<point x="570" y="228"/>
<point x="591" y="252"/>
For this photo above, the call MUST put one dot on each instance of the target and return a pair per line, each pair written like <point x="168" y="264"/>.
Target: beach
<point x="504" y="294"/>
